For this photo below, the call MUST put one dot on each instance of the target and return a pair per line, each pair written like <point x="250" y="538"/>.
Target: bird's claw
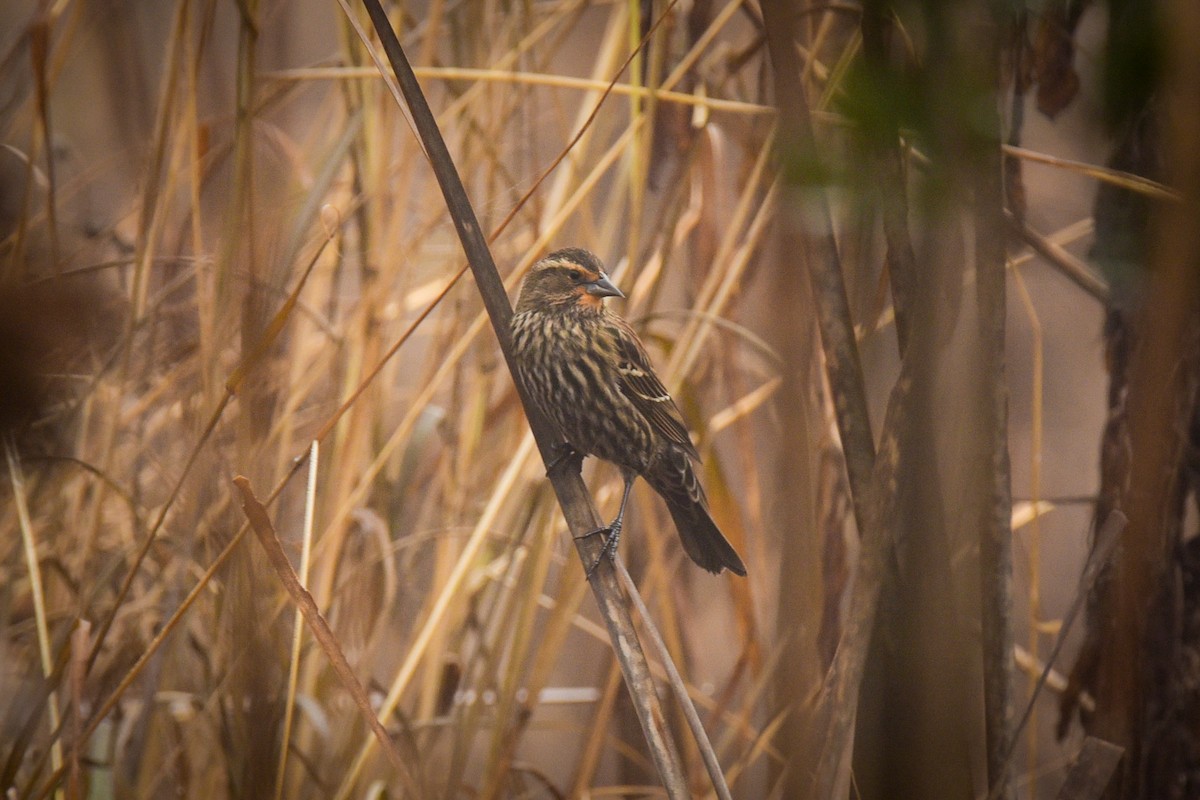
<point x="609" y="547"/>
<point x="564" y="452"/>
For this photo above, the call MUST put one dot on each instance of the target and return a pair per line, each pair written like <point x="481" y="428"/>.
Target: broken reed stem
<point x="260" y="523"/>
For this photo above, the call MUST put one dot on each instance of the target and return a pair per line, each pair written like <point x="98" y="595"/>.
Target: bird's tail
<point x="672" y="476"/>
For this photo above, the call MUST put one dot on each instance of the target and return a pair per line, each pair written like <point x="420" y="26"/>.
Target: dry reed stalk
<point x="983" y="169"/>
<point x="518" y="615"/>
<point x="1034" y="541"/>
<point x="443" y="601"/>
<point x="297" y="626"/>
<point x="36" y="591"/>
<point x="260" y="523"/>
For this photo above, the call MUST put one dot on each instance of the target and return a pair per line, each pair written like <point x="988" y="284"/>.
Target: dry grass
<point x="256" y="265"/>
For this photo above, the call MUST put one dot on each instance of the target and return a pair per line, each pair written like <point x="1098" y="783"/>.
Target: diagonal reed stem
<point x="572" y="495"/>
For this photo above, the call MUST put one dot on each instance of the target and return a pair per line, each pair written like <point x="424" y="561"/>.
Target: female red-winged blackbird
<point x="589" y="374"/>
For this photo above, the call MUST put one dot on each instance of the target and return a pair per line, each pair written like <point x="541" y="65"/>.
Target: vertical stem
<point x="1035" y="496"/>
<point x="1162" y="377"/>
<point x="806" y="215"/>
<point x="893" y="192"/>
<point x="310" y="498"/>
<point x="995" y="547"/>
<point x="37" y="594"/>
<point x="39" y="49"/>
<point x="810" y="209"/>
<point x="636" y="109"/>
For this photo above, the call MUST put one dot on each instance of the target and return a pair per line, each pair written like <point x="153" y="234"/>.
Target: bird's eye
<point x="574" y="274"/>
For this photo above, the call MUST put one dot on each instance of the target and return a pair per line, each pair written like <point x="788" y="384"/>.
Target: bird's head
<point x="570" y="278"/>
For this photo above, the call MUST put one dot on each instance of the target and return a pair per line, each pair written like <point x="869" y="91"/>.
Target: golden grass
<point x="273" y="275"/>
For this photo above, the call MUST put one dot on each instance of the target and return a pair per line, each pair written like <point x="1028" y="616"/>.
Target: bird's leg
<point x="613" y="529"/>
<point x="564" y="452"/>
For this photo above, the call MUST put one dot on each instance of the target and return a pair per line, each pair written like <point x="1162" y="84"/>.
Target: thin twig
<point x="1076" y="270"/>
<point x="1126" y="180"/>
<point x="1106" y="543"/>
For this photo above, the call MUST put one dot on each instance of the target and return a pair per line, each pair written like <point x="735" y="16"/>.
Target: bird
<point x="588" y="373"/>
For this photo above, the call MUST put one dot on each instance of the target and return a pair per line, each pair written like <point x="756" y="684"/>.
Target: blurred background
<point x="172" y="174"/>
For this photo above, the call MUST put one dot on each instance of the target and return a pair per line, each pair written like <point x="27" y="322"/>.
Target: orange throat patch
<point x="588" y="300"/>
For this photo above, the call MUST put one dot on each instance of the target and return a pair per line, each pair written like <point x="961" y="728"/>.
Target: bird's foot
<point x="609" y="548"/>
<point x="564" y="454"/>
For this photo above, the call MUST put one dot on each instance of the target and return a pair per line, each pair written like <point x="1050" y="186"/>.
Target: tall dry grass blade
<point x="449" y="590"/>
<point x="1034" y="545"/>
<point x="1125" y="180"/>
<point x="639" y="152"/>
<point x="232" y="385"/>
<point x="27" y="731"/>
<point x="720" y="281"/>
<point x="110" y="703"/>
<point x="170" y="625"/>
<point x="842" y="363"/>
<point x="77" y="674"/>
<point x="585" y="770"/>
<point x="39" y="45"/>
<point x="150" y="221"/>
<point x="517" y="78"/>
<point x="563" y="616"/>
<point x="760" y="746"/>
<point x="310" y="499"/>
<point x="260" y="523"/>
<point x="507" y="736"/>
<point x="892" y="194"/>
<point x="832" y="719"/>
<point x="16" y="477"/>
<point x="725" y="282"/>
<point x="233" y="382"/>
<point x="743" y="727"/>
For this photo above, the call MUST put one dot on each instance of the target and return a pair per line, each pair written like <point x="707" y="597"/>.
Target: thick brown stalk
<point x="807" y="211"/>
<point x="1161" y="383"/>
<point x="810" y="209"/>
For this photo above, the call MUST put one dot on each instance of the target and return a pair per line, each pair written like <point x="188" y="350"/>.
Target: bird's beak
<point x="603" y="287"/>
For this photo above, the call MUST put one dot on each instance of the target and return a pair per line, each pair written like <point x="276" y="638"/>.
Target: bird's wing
<point x="637" y="381"/>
